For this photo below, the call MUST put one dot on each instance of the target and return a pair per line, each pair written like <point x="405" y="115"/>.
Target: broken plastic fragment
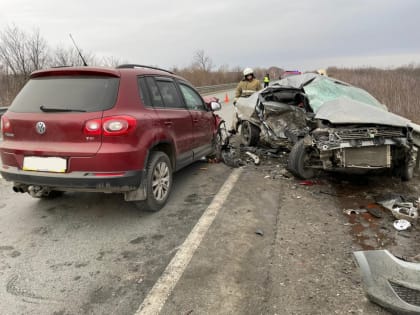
<point x="354" y="211"/>
<point x="401" y="209"/>
<point x="375" y="212"/>
<point x="259" y="232"/>
<point x="401" y="225"/>
<point x="389" y="203"/>
<point x="254" y="157"/>
<point x="407" y="213"/>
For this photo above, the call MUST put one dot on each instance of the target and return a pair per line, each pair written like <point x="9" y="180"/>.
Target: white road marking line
<point x="164" y="286"/>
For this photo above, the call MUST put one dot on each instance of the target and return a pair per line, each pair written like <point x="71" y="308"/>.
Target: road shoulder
<point x="301" y="264"/>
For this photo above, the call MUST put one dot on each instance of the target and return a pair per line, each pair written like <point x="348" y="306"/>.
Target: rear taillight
<point x="6" y="126"/>
<point x="93" y="127"/>
<point x="118" y="125"/>
<point x="110" y="126"/>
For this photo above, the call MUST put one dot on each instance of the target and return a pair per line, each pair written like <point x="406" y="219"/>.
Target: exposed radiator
<point x="367" y="157"/>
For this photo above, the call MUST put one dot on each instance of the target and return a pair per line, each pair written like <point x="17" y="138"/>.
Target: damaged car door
<point x="273" y="116"/>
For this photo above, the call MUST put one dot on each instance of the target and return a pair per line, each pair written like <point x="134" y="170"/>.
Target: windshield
<point x="323" y="90"/>
<point x="70" y="93"/>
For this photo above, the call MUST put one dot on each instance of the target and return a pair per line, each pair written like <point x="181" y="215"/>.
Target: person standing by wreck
<point x="266" y="80"/>
<point x="248" y="85"/>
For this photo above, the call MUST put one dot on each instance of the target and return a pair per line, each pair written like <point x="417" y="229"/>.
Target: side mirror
<point x="210" y="100"/>
<point x="215" y="106"/>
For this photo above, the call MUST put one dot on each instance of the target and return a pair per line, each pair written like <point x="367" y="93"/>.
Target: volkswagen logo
<point x="40" y="127"/>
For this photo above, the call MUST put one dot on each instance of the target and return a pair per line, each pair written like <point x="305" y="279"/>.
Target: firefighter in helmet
<point x="248" y="85"/>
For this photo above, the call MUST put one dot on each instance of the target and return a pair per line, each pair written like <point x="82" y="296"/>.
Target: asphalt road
<point x="87" y="253"/>
<point x="271" y="245"/>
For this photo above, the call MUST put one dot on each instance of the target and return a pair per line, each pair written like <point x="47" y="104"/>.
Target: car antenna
<point x="78" y="50"/>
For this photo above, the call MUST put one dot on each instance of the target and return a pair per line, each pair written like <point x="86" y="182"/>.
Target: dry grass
<point x="399" y="88"/>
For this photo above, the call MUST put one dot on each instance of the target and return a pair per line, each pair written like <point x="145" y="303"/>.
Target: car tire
<point x="250" y="134"/>
<point x="158" y="182"/>
<point x="296" y="163"/>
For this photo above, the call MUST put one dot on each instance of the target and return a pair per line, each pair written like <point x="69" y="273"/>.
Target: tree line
<point x="22" y="52"/>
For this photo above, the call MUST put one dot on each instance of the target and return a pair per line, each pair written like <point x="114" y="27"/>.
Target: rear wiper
<point x="56" y="110"/>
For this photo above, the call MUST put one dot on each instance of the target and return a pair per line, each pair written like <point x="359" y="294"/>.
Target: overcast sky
<point x="293" y="34"/>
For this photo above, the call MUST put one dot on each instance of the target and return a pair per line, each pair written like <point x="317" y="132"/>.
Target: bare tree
<point x="22" y="53"/>
<point x="202" y="61"/>
<point x="112" y="61"/>
<point x="69" y="56"/>
<point x="65" y="57"/>
<point x="38" y="51"/>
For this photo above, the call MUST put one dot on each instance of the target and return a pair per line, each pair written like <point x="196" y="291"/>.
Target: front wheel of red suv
<point x="159" y="182"/>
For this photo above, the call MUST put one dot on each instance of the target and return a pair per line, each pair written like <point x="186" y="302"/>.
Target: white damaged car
<point x="328" y="125"/>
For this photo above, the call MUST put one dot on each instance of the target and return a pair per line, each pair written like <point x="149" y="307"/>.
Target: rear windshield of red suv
<point x="67" y="93"/>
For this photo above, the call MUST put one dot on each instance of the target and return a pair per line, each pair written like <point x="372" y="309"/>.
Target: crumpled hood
<point x="415" y="127"/>
<point x="344" y="110"/>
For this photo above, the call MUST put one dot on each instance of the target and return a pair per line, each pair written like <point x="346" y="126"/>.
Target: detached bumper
<point x="77" y="181"/>
<point x="390" y="282"/>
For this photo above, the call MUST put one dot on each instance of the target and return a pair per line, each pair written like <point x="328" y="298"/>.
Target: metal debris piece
<point x="231" y="158"/>
<point x="401" y="225"/>
<point x="259" y="232"/>
<point x="375" y="212"/>
<point x="401" y="208"/>
<point x="329" y="193"/>
<point x="354" y="211"/>
<point x="407" y="213"/>
<point x="254" y="157"/>
<point x="388" y="204"/>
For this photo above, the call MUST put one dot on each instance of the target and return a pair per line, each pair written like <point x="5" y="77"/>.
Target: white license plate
<point x="44" y="164"/>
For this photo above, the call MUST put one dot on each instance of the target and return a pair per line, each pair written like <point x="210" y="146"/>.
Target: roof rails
<point x="132" y="66"/>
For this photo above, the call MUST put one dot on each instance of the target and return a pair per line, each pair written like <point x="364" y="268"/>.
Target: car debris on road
<point x="375" y="212"/>
<point x="390" y="282"/>
<point x="354" y="211"/>
<point x="254" y="157"/>
<point x="401" y="208"/>
<point x="402" y="225"/>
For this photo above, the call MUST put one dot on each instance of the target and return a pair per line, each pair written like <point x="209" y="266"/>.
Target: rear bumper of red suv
<point x="77" y="181"/>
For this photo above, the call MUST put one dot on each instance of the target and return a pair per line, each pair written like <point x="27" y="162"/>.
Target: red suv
<point x="122" y="130"/>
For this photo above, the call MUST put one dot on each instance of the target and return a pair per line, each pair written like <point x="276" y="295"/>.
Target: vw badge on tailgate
<point x="40" y="127"/>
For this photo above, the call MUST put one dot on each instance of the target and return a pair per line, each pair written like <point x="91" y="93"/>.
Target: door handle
<point x="195" y="120"/>
<point x="168" y="123"/>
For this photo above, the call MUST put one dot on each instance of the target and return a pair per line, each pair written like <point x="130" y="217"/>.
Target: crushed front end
<point x="364" y="147"/>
